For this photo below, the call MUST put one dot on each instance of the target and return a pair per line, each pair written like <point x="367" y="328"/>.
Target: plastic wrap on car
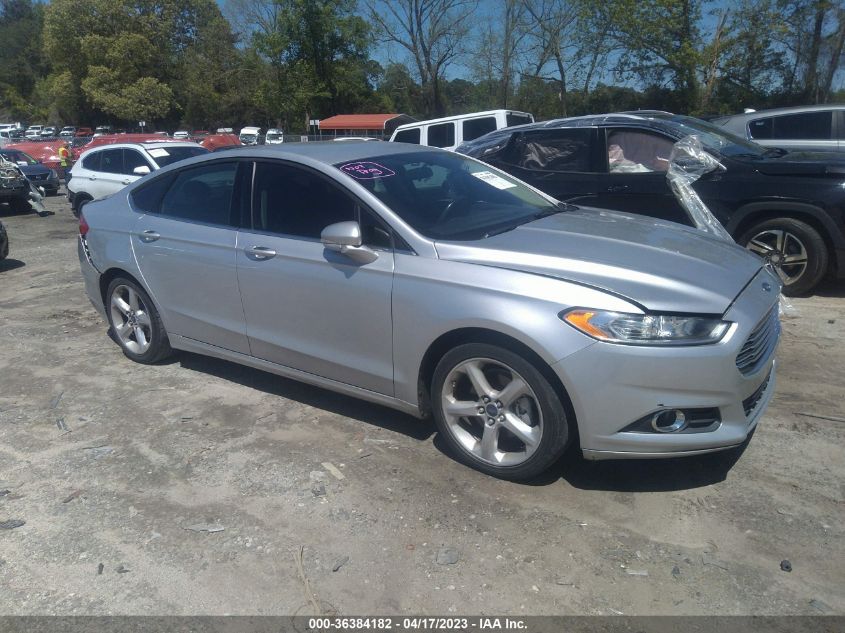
<point x="687" y="163"/>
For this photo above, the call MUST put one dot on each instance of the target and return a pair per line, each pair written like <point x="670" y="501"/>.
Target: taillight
<point x="83" y="225"/>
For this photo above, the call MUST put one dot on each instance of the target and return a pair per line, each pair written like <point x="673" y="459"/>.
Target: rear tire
<point x="795" y="249"/>
<point x="527" y="432"/>
<point x="77" y="208"/>
<point x="135" y="322"/>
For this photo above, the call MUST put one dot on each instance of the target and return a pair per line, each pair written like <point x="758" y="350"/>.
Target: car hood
<point x="662" y="266"/>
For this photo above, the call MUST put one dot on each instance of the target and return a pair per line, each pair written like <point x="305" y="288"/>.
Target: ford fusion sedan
<point x="429" y="282"/>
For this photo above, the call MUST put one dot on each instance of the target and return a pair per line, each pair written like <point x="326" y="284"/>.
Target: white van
<point x="451" y="131"/>
<point x="249" y="135"/>
<point x="274" y="136"/>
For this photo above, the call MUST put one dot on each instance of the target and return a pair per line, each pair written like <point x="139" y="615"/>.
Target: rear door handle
<point x="617" y="188"/>
<point x="149" y="236"/>
<point x="259" y="253"/>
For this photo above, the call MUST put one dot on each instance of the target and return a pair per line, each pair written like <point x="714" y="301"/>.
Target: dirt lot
<point x="190" y="487"/>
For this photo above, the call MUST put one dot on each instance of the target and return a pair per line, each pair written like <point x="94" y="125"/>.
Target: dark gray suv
<point x="817" y="128"/>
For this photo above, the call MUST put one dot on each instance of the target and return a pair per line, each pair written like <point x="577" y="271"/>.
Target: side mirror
<point x="143" y="170"/>
<point x="345" y="238"/>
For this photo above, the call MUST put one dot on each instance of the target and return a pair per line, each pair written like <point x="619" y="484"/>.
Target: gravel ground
<point x="202" y="487"/>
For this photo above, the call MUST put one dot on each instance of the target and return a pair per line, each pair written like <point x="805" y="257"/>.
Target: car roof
<point x="777" y="111"/>
<point x="146" y="145"/>
<point x="460" y="117"/>
<point x="330" y="152"/>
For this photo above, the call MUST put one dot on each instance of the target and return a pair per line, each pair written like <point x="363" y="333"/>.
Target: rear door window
<point x="111" y="161"/>
<point x="806" y="125"/>
<point x="473" y="128"/>
<point x="203" y="194"/>
<point x="408" y="136"/>
<point x="552" y="150"/>
<point x="441" y="135"/>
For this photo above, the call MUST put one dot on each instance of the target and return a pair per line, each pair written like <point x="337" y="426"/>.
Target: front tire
<point x="528" y="430"/>
<point x="795" y="249"/>
<point x="136" y="323"/>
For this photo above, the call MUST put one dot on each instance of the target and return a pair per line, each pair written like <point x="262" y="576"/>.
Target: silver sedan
<point x="437" y="285"/>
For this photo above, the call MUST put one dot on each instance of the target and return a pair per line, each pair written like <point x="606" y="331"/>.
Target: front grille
<point x="760" y="344"/>
<point x="750" y="403"/>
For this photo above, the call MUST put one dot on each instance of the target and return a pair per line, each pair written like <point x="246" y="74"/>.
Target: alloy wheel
<point x="130" y="319"/>
<point x="492" y="412"/>
<point x="783" y="250"/>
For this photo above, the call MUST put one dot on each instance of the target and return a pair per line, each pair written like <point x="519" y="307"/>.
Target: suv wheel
<point x="794" y="249"/>
<point x="135" y="322"/>
<point x="497" y="412"/>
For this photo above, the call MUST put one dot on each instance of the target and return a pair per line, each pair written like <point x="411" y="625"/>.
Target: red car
<point x="84" y="131"/>
<point x="45" y="152"/>
<point x="216" y="141"/>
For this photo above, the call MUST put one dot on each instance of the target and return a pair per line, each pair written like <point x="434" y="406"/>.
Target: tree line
<point x="191" y="63"/>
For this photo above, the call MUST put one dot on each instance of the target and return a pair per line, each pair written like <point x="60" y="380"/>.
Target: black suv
<point x="789" y="207"/>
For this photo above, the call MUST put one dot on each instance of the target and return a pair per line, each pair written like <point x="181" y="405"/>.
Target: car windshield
<point x="720" y="141"/>
<point x="448" y="196"/>
<point x="168" y="155"/>
<point x="248" y="138"/>
<point x="17" y="156"/>
<point x="272" y="136"/>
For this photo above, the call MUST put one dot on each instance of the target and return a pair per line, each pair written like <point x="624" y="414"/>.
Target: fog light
<point x="670" y="421"/>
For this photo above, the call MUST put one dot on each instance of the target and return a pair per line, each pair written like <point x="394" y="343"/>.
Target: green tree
<point x="21" y="61"/>
<point x="661" y="43"/>
<point x="127" y="55"/>
<point x="316" y="56"/>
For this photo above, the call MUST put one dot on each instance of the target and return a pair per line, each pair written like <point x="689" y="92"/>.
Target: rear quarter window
<point x="147" y="198"/>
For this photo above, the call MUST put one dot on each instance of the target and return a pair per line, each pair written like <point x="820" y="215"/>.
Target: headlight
<point x="646" y="329"/>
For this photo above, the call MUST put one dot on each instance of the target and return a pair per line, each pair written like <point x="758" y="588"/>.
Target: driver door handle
<point x="259" y="253"/>
<point x="617" y="188"/>
<point x="149" y="236"/>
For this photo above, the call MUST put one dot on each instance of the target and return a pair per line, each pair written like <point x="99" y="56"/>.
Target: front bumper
<point x="612" y="386"/>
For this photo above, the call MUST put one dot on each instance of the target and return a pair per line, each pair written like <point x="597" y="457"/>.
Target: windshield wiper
<point x="560" y="207"/>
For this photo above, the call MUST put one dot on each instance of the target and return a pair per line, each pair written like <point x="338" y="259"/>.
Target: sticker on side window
<point x="158" y="152"/>
<point x="366" y="171"/>
<point x="492" y="179"/>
